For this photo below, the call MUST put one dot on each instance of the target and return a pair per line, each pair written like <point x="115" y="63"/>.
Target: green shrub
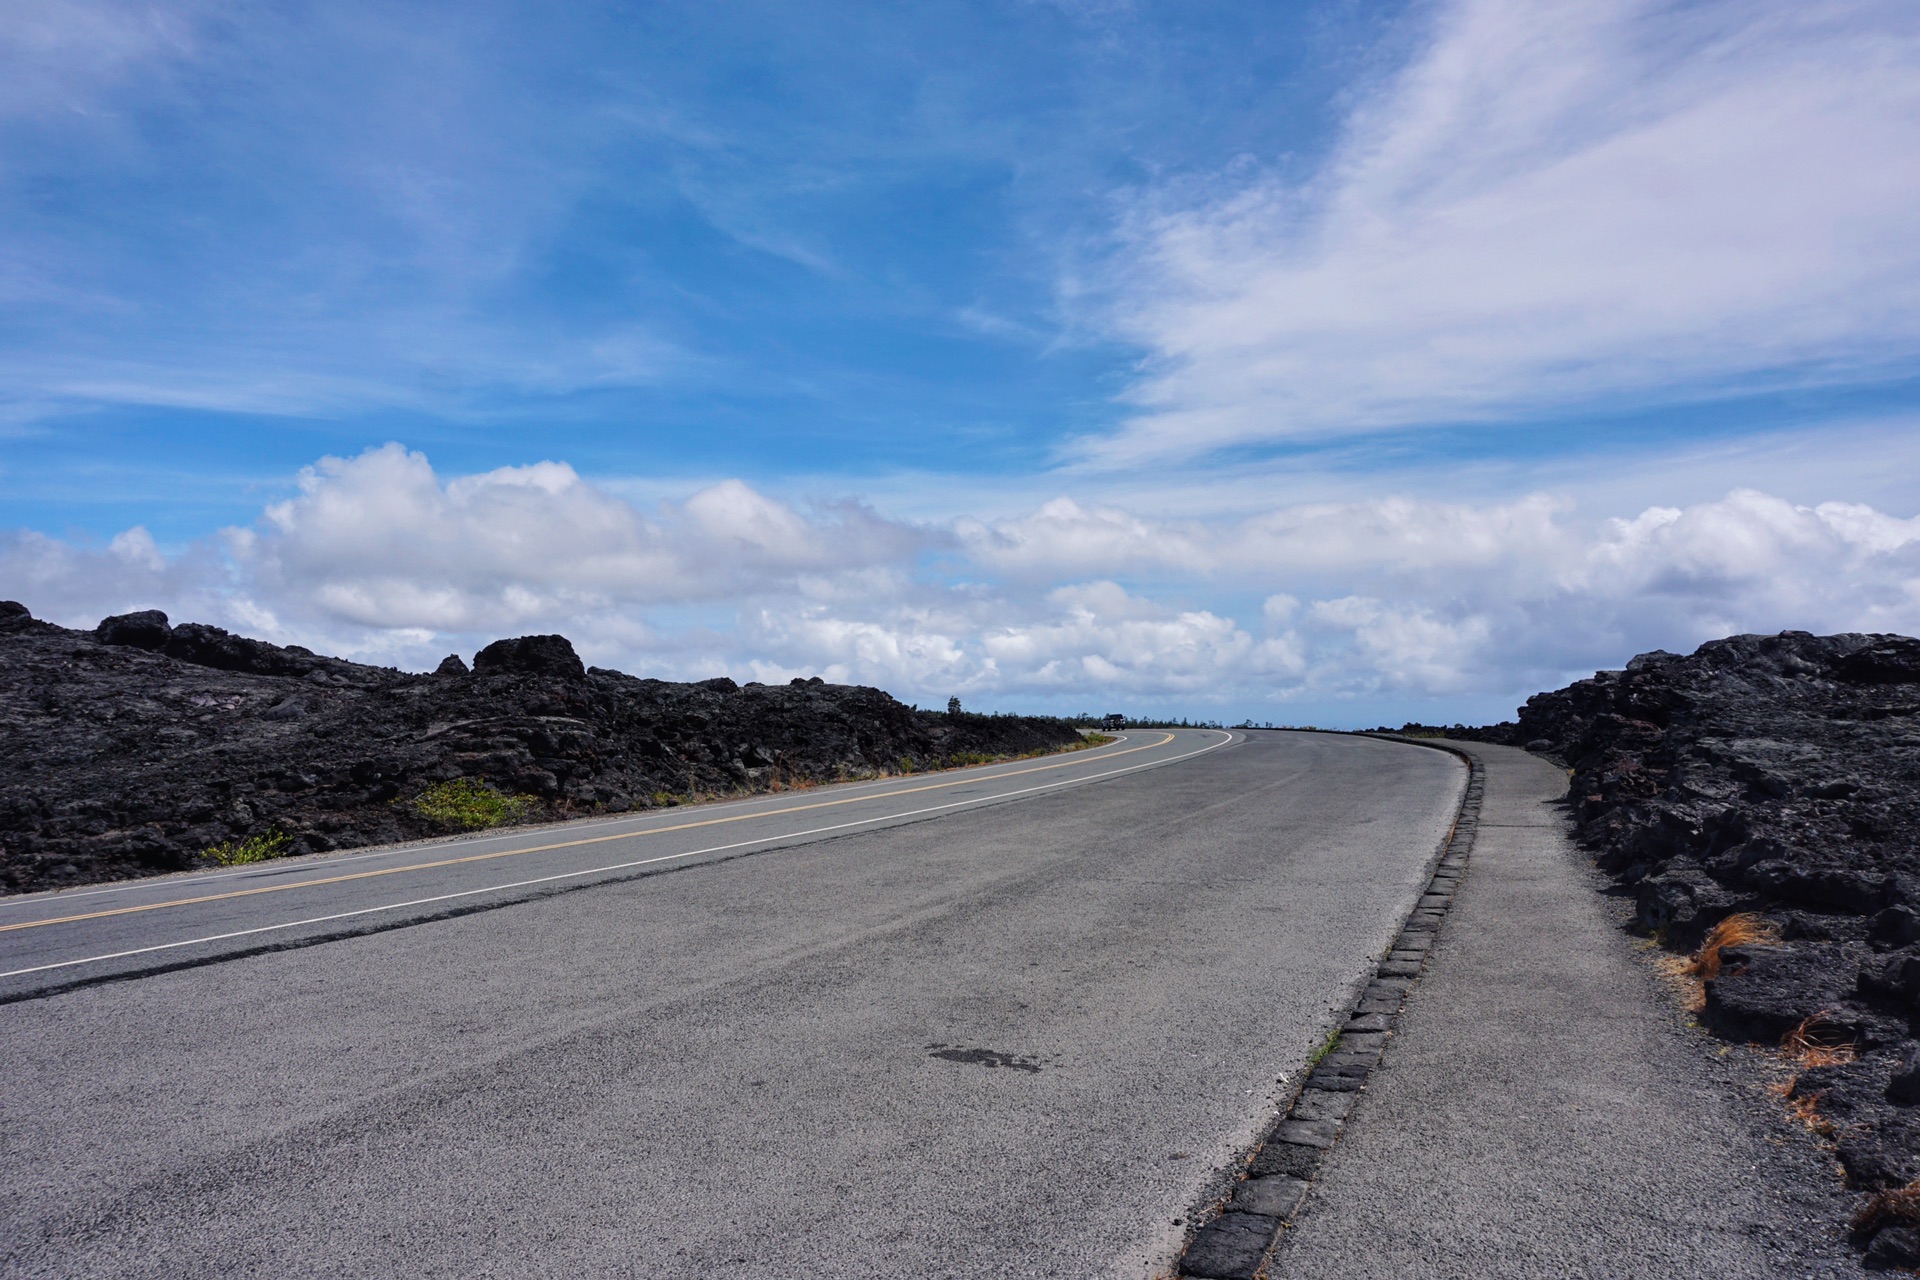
<point x="469" y="804"/>
<point x="234" y="853"/>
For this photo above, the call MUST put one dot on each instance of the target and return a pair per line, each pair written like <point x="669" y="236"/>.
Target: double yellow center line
<point x="563" y="844"/>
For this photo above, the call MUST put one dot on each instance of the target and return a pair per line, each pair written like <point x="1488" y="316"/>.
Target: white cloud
<point x="1096" y="635"/>
<point x="380" y="540"/>
<point x="902" y="648"/>
<point x="1552" y="203"/>
<point x="79" y="584"/>
<point x="1329" y="611"/>
<point x="1753" y="556"/>
<point x="1299" y="541"/>
<point x="1408" y="647"/>
<point x="1382" y="604"/>
<point x="1063" y="536"/>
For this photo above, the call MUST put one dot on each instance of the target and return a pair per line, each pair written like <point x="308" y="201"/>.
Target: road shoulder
<point x="1543" y="1110"/>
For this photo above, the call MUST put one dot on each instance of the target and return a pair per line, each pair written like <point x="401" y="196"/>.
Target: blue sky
<point x="740" y="238"/>
<point x="1333" y="363"/>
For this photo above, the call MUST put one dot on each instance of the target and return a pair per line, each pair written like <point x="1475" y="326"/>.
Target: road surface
<point x="1009" y="1021"/>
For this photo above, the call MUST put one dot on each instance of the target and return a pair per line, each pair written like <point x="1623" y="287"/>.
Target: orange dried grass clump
<point x="1747" y="929"/>
<point x="1805" y="1110"/>
<point x="1814" y="1043"/>
<point x="1807" y="1046"/>
<point x="1901" y="1205"/>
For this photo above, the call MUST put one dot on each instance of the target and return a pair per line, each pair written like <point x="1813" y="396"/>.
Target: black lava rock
<point x="531" y="655"/>
<point x="213" y="647"/>
<point x="1903" y="1086"/>
<point x="146" y="629"/>
<point x="451" y="665"/>
<point x="1892" y="1249"/>
<point x="1763" y="993"/>
<point x="126" y="761"/>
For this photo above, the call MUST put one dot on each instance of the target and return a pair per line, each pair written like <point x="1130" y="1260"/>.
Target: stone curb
<point x="1236" y="1243"/>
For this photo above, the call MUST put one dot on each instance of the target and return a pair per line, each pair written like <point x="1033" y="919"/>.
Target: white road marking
<point x="982" y="773"/>
<point x="619" y="866"/>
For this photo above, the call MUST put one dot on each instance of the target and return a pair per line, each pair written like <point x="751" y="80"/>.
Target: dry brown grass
<point x="1805" y="1110"/>
<point x="1678" y="972"/>
<point x="1811" y="1044"/>
<point x="1747" y="929"/>
<point x="1901" y="1205"/>
<point x="1689" y="973"/>
<point x="1815" y="1044"/>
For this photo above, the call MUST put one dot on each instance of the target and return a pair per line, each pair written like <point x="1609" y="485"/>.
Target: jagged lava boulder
<point x="135" y="747"/>
<point x="531" y="655"/>
<point x="146" y="629"/>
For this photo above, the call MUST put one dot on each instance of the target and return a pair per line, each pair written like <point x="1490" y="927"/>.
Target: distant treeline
<point x="1087" y="720"/>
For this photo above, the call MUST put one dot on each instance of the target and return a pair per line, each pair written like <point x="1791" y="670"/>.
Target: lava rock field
<point x="134" y="748"/>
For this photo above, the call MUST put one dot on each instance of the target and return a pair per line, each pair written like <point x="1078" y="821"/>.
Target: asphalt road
<point x="1012" y="1026"/>
<point x="55" y="940"/>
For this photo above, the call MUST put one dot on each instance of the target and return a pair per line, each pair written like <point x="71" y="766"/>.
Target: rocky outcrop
<point x="1777" y="775"/>
<point x="147" y="629"/>
<point x="531" y="656"/>
<point x="134" y="748"/>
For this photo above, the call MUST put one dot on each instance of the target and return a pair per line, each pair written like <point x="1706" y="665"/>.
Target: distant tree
<point x="953" y="706"/>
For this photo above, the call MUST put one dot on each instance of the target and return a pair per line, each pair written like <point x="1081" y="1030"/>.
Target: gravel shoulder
<point x="1544" y="1109"/>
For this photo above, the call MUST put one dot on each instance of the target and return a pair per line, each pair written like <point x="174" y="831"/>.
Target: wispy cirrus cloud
<point x="62" y="55"/>
<point x="1583" y="202"/>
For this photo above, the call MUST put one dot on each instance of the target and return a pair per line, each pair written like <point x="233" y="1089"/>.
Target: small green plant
<point x="469" y="804"/>
<point x="971" y="757"/>
<point x="1319" y="1055"/>
<point x="234" y="853"/>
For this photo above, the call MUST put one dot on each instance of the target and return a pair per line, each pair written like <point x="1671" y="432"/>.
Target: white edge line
<point x="622" y="866"/>
<point x="576" y="824"/>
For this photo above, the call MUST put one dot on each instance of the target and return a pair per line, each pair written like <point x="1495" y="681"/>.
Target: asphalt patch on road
<point x="984" y="1057"/>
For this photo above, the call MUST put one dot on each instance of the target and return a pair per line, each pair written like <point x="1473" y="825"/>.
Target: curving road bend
<point x="1004" y="1021"/>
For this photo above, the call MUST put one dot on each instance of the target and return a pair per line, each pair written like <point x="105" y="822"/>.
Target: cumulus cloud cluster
<point x="1373" y="607"/>
<point x="381" y="541"/>
<point x="1552" y="203"/>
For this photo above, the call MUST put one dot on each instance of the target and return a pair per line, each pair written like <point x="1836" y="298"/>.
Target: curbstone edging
<point x="1236" y="1244"/>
